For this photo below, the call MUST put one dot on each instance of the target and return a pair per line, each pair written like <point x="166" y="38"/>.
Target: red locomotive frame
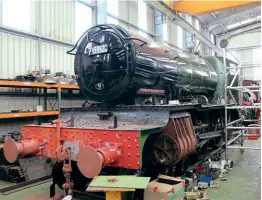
<point x="99" y="147"/>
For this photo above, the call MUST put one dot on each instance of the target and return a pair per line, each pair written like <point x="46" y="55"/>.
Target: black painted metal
<point x="210" y="135"/>
<point x="130" y="108"/>
<point x="131" y="63"/>
<point x="132" y="120"/>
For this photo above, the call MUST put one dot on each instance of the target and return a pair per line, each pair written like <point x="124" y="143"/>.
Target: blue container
<point x="205" y="179"/>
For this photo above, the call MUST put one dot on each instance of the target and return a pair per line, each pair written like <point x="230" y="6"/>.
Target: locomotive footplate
<point x="98" y="107"/>
<point x="115" y="120"/>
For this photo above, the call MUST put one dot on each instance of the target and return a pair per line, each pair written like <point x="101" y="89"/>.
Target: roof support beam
<point x="178" y="20"/>
<point x="241" y="30"/>
<point x="215" y="23"/>
<point x="220" y="23"/>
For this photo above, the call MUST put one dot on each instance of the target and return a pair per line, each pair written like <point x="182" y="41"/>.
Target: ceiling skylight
<point x="247" y="21"/>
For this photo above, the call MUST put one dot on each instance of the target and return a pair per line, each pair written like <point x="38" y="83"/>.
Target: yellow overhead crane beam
<point x="195" y="7"/>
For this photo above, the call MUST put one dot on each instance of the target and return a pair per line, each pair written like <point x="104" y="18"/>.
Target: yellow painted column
<point x="113" y="195"/>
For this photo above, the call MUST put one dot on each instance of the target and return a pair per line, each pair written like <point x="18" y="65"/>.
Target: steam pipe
<point x="58" y="132"/>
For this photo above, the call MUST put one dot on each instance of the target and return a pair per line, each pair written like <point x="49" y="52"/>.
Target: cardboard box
<point x="196" y="196"/>
<point x="165" y="188"/>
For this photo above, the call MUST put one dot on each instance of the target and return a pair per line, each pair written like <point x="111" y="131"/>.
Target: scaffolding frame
<point x="241" y="130"/>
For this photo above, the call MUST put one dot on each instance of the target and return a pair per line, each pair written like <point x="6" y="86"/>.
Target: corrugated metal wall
<point x="55" y="58"/>
<point x="52" y="19"/>
<point x="57" y="19"/>
<point x="20" y="52"/>
<point x="17" y="53"/>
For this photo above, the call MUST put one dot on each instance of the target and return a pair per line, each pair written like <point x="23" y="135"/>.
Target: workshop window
<point x="17" y="14"/>
<point x="212" y="38"/>
<point x="165" y="32"/>
<point x="83" y="19"/>
<point x="197" y="24"/>
<point x="189" y="40"/>
<point x="180" y="37"/>
<point x="142" y="17"/>
<point x="198" y="45"/>
<point x="189" y="19"/>
<point x="112" y="7"/>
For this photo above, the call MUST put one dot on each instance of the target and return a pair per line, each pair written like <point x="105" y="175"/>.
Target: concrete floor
<point x="244" y="180"/>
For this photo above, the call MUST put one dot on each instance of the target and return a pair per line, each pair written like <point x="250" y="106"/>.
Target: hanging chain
<point x="67" y="170"/>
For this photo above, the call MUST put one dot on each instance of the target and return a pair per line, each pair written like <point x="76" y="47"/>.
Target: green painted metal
<point x="219" y="67"/>
<point x="120" y="182"/>
<point x="177" y="194"/>
<point x="218" y="64"/>
<point x="143" y="137"/>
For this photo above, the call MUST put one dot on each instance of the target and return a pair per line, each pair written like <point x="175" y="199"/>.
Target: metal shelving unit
<point x="45" y="87"/>
<point x="28" y="114"/>
<point x="240" y="131"/>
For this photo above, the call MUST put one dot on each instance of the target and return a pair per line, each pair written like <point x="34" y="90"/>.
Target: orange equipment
<point x="195" y="7"/>
<point x="13" y="149"/>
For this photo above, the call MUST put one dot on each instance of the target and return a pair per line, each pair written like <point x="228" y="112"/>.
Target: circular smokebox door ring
<point x="223" y="43"/>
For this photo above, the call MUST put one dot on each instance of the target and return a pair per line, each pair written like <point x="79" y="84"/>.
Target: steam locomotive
<point x="152" y="110"/>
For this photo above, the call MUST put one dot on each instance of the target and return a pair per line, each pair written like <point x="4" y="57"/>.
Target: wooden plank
<point x="109" y="189"/>
<point x="28" y="114"/>
<point x="120" y="182"/>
